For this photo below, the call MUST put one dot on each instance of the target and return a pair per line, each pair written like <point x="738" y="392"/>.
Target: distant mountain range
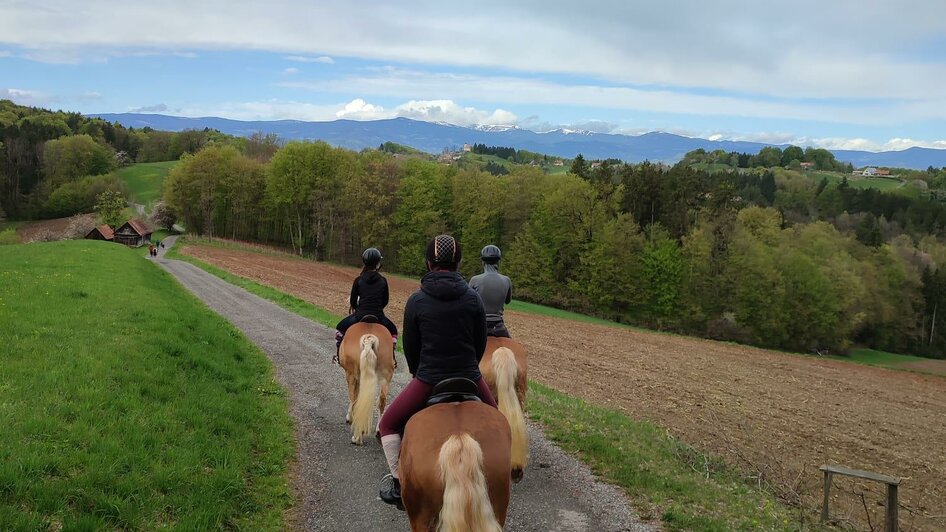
<point x="434" y="137"/>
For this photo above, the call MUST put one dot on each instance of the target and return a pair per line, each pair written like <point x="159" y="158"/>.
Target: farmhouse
<point x="133" y="233"/>
<point x="808" y="166"/>
<point x="102" y="232"/>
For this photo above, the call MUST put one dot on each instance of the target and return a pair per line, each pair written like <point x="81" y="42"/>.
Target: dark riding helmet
<point x="443" y="250"/>
<point x="371" y="257"/>
<point x="491" y="254"/>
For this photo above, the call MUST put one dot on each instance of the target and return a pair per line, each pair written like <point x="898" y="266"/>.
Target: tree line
<point x="55" y="163"/>
<point x="769" y="157"/>
<point x="772" y="258"/>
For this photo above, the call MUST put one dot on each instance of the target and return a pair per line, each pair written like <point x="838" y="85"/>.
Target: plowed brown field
<point x="769" y="413"/>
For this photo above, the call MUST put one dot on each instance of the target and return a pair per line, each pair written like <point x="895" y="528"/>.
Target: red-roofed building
<point x="102" y="232"/>
<point x="133" y="233"/>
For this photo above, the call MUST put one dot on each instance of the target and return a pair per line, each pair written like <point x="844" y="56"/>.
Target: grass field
<point x="145" y="180"/>
<point x="663" y="477"/>
<point x="127" y="404"/>
<point x="879" y="183"/>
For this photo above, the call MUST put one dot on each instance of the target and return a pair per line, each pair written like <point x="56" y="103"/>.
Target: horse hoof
<point x="356" y="441"/>
<point x="348" y="421"/>
<point x="517" y="475"/>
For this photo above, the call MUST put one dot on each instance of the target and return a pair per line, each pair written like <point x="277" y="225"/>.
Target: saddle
<point x="369" y="318"/>
<point x="456" y="390"/>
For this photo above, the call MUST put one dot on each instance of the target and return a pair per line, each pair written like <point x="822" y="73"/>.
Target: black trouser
<point x="356" y="317"/>
<point x="497" y="328"/>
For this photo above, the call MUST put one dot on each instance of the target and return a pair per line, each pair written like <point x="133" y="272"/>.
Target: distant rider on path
<point x="495" y="289"/>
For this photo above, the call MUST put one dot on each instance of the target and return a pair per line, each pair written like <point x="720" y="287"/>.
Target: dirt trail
<point x="771" y="413"/>
<point x="337" y="482"/>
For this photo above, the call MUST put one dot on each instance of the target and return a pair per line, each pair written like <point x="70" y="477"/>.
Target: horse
<point x="454" y="468"/>
<point x="367" y="355"/>
<point x="504" y="366"/>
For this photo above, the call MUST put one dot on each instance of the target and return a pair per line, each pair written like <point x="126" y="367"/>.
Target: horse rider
<point x="369" y="296"/>
<point x="495" y="289"/>
<point x="444" y="337"/>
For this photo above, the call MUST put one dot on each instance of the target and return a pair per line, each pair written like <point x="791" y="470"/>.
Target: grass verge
<point x="127" y="404"/>
<point x="883" y="359"/>
<point x="663" y="477"/>
<point x="286" y="301"/>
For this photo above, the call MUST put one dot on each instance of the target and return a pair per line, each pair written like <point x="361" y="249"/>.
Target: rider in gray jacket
<point x="495" y="289"/>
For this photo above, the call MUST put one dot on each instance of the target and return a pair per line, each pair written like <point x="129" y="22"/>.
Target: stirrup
<point x="387" y="484"/>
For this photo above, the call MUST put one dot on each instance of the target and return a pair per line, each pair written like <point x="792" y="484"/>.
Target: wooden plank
<point x="890" y="522"/>
<point x="840" y="470"/>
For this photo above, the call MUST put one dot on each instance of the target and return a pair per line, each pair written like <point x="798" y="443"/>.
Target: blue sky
<point x="838" y="74"/>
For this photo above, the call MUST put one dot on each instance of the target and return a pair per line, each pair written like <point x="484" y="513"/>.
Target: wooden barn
<point x="102" y="232"/>
<point x="133" y="233"/>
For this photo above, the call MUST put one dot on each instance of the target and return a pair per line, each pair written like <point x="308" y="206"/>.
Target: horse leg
<point x="352" y="379"/>
<point x="382" y="403"/>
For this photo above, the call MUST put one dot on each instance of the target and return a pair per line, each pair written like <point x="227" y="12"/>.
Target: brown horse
<point x="505" y="366"/>
<point x="367" y="355"/>
<point x="454" y="468"/>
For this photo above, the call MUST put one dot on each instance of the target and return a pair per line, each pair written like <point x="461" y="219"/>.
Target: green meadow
<point x="127" y="404"/>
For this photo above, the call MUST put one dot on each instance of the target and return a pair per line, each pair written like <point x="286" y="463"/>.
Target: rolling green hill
<point x="145" y="180"/>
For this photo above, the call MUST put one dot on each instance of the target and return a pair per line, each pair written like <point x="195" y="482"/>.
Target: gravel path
<point x="336" y="482"/>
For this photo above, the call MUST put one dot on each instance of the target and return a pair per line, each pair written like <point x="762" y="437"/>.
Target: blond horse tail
<point x="506" y="371"/>
<point x="466" y="504"/>
<point x="368" y="381"/>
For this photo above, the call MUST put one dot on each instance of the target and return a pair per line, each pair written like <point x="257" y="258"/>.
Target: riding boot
<point x="391" y="444"/>
<point x="338" y="344"/>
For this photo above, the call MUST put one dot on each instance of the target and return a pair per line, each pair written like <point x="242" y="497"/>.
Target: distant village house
<point x="808" y="166"/>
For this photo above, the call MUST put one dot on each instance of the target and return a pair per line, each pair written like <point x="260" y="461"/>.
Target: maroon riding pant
<point x="413" y="399"/>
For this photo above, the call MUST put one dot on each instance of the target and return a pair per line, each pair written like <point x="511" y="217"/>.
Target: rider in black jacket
<point x="369" y="296"/>
<point x="444" y="337"/>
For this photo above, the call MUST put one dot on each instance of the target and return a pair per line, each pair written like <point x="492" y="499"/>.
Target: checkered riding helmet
<point x="443" y="250"/>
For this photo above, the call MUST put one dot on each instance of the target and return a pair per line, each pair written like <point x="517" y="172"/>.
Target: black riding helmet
<point x="491" y="254"/>
<point x="443" y="250"/>
<point x="371" y="257"/>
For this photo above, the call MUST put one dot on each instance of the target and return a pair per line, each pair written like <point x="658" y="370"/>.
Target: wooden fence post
<point x="827" y="490"/>
<point x="890" y="522"/>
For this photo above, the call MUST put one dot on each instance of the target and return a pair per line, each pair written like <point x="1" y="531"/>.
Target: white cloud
<point x="157" y="108"/>
<point x="6" y="53"/>
<point x="773" y="50"/>
<point x="451" y="113"/>
<point x="27" y="97"/>
<point x="290" y="71"/>
<point x="359" y="109"/>
<point x="303" y="59"/>
<point x="509" y="90"/>
<point x="831" y="143"/>
<point x="90" y="96"/>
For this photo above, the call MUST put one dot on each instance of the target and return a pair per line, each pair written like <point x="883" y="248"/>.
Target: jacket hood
<point x="446" y="286"/>
<point x="371" y="277"/>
